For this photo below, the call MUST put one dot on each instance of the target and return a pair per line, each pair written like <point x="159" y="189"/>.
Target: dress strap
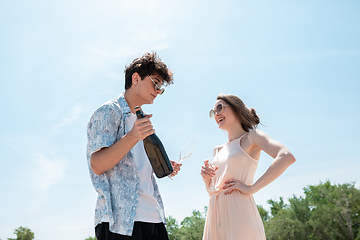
<point x="243" y="136"/>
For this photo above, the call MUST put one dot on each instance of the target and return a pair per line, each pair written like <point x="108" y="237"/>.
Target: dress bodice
<point x="233" y="163"/>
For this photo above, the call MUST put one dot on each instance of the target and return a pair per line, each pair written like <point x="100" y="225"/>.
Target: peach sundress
<point x="232" y="216"/>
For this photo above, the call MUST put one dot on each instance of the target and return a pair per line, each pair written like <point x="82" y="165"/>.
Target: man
<point x="129" y="204"/>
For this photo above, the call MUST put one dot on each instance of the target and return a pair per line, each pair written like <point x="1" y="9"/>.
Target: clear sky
<point x="296" y="62"/>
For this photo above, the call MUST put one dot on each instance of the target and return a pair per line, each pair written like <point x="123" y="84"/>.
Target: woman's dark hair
<point x="247" y="116"/>
<point x="148" y="64"/>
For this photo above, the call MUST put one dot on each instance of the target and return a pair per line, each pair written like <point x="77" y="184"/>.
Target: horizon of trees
<point x="23" y="233"/>
<point x="326" y="211"/>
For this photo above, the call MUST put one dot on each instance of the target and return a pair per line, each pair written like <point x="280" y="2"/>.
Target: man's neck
<point x="131" y="99"/>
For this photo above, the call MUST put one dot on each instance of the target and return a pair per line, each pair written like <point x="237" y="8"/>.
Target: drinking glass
<point x="186" y="152"/>
<point x="211" y="158"/>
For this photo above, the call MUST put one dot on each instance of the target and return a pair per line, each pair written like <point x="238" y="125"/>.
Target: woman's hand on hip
<point x="236" y="185"/>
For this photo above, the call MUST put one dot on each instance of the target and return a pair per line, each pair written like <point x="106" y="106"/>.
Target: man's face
<point x="145" y="88"/>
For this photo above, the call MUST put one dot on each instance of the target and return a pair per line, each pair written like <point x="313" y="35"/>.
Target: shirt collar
<point x="125" y="109"/>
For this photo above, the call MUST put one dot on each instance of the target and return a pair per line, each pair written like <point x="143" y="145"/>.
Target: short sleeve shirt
<point x="118" y="188"/>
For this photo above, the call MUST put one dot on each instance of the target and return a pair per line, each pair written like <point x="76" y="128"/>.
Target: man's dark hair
<point x="148" y="64"/>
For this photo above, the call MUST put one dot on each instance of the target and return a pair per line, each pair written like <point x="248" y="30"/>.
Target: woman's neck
<point x="235" y="132"/>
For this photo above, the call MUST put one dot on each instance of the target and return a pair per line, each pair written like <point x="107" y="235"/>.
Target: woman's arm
<point x="283" y="158"/>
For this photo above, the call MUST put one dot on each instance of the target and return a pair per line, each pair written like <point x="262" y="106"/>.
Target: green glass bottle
<point x="155" y="151"/>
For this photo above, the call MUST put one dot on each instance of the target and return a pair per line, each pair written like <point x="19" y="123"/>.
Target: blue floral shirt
<point x="118" y="188"/>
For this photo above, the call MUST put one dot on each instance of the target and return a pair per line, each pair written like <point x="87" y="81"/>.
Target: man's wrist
<point x="131" y="137"/>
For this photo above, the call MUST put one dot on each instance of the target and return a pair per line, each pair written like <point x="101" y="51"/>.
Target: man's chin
<point x="152" y="99"/>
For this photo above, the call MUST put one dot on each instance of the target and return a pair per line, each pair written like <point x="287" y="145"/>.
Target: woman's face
<point x="225" y="118"/>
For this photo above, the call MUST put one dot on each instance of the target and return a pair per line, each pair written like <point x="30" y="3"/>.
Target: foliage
<point x="276" y="206"/>
<point x="172" y="228"/>
<point x="23" y="233"/>
<point x="91" y="238"/>
<point x="191" y="228"/>
<point x="263" y="213"/>
<point x="338" y="207"/>
<point x="326" y="212"/>
<point x="285" y="225"/>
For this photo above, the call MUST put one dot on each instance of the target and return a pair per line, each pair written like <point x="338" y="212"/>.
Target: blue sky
<point x="297" y="63"/>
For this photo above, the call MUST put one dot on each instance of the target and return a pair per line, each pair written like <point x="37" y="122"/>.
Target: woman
<point x="232" y="212"/>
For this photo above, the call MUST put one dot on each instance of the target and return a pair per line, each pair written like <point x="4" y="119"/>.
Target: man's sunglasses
<point x="158" y="86"/>
<point x="217" y="110"/>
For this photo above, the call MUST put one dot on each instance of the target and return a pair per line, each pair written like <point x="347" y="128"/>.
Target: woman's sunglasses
<point x="217" y="110"/>
<point x="158" y="86"/>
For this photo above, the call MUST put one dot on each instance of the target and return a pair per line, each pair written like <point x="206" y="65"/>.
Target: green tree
<point x="358" y="236"/>
<point x="275" y="206"/>
<point x="23" y="233"/>
<point x="301" y="208"/>
<point x="263" y="213"/>
<point x="285" y="224"/>
<point x="326" y="212"/>
<point x="172" y="228"/>
<point x="91" y="238"/>
<point x="191" y="228"/>
<point x="335" y="210"/>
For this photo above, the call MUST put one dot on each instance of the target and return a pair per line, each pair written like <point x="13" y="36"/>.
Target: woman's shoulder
<point x="256" y="132"/>
<point x="257" y="135"/>
<point x="217" y="149"/>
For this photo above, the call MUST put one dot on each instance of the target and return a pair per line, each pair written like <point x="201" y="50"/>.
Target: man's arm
<point x="106" y="158"/>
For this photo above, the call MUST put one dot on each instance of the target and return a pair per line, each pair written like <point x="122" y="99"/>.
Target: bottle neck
<point x="139" y="113"/>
